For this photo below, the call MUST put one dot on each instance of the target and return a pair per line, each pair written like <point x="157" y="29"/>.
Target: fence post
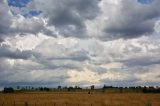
<point x="66" y="104"/>
<point x="3" y="104"/>
<point x="78" y="104"/>
<point x="54" y="104"/>
<point x="26" y="104"/>
<point x="14" y="104"/>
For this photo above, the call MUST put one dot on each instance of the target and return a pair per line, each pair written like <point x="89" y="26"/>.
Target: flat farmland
<point x="79" y="99"/>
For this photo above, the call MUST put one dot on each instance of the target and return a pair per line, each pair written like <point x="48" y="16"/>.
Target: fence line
<point x="44" y="104"/>
<point x="66" y="104"/>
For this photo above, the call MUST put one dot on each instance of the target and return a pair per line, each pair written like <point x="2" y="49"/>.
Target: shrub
<point x="8" y="90"/>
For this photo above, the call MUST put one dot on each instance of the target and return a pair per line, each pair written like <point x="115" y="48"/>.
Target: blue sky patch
<point x="32" y="13"/>
<point x="35" y="13"/>
<point x="23" y="3"/>
<point x="18" y="3"/>
<point x="145" y="1"/>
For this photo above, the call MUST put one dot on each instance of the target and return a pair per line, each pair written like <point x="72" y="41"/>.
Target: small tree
<point x="18" y="87"/>
<point x="8" y="90"/>
<point x="92" y="87"/>
<point x="59" y="87"/>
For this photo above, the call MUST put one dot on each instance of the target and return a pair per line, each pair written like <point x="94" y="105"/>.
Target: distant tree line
<point x="151" y="90"/>
<point x="144" y="89"/>
<point x="90" y="89"/>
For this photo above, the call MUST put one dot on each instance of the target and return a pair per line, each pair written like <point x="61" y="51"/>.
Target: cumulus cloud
<point x="69" y="16"/>
<point x="1" y="40"/>
<point x="150" y="76"/>
<point x="27" y="25"/>
<point x="73" y="61"/>
<point x="103" y="19"/>
<point x="6" y="51"/>
<point x="83" y="76"/>
<point x="82" y="42"/>
<point x="88" y="77"/>
<point x="157" y="27"/>
<point x="129" y="19"/>
<point x="5" y="20"/>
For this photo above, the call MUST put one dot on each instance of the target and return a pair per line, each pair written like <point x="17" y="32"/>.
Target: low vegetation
<point x="76" y="96"/>
<point x="91" y="89"/>
<point x="78" y="99"/>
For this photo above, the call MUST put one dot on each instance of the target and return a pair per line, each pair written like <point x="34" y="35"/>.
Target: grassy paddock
<point x="79" y="99"/>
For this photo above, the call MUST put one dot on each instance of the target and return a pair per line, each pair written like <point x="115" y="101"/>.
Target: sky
<point x="79" y="42"/>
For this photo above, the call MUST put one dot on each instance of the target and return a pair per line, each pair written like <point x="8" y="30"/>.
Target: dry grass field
<point x="79" y="99"/>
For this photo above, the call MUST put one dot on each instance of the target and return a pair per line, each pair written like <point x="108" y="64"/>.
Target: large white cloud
<point x="5" y="19"/>
<point x="127" y="60"/>
<point x="50" y="48"/>
<point x="124" y="19"/>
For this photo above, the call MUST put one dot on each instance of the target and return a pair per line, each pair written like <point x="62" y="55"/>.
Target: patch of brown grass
<point x="80" y="99"/>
